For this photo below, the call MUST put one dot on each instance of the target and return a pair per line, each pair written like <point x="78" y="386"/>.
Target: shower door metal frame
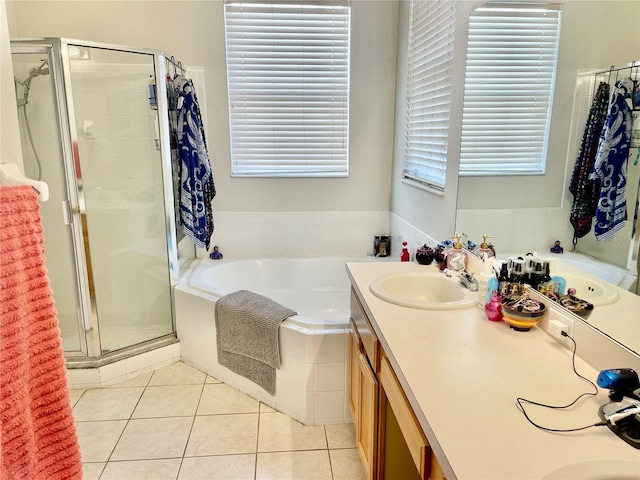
<point x="57" y="51"/>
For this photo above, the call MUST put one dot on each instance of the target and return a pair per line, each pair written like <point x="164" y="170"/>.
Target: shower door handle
<point x="66" y="212"/>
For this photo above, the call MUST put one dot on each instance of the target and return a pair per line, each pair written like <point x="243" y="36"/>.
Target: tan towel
<point x="247" y="336"/>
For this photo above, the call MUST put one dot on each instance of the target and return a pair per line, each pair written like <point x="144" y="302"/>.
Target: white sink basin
<point x="595" y="291"/>
<point x="428" y="291"/>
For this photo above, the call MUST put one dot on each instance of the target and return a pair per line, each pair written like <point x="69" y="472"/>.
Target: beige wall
<point x="193" y="31"/>
<point x="430" y="213"/>
<point x="10" y="148"/>
<point x="594" y="34"/>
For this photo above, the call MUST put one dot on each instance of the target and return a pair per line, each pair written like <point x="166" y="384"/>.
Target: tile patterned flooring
<point x="177" y="423"/>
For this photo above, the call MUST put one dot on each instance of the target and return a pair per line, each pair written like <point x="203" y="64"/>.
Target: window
<point x="288" y="80"/>
<point x="511" y="64"/>
<point x="431" y="42"/>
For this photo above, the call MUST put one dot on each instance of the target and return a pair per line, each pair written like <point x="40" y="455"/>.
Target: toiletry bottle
<point x="560" y="282"/>
<point x="529" y="268"/>
<point x="485" y="248"/>
<point x="492" y="286"/>
<point x="517" y="271"/>
<point x="454" y="252"/>
<point x="483" y="280"/>
<point x="503" y="278"/>
<point x="404" y="256"/>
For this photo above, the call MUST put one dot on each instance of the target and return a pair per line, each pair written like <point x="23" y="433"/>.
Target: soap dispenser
<point x="486" y="248"/>
<point x="454" y="253"/>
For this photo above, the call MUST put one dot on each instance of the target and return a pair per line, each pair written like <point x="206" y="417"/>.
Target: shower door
<point x="90" y="128"/>
<point x="118" y="171"/>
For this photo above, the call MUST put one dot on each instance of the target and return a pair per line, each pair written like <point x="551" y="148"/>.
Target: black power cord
<point x="521" y="401"/>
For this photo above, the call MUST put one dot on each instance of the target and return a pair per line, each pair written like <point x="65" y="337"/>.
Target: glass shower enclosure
<point x="94" y="126"/>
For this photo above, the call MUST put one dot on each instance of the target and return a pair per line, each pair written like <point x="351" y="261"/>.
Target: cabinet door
<point x="367" y="422"/>
<point x="416" y="442"/>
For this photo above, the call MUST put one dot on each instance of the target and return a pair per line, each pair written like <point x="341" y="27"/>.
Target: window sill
<point x="422" y="186"/>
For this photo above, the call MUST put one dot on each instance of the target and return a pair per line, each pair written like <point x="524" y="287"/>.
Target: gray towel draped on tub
<point x="247" y="336"/>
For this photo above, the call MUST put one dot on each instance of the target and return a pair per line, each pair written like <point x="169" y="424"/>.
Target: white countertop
<point x="462" y="375"/>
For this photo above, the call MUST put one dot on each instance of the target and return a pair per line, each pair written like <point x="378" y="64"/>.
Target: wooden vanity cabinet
<point x="389" y="439"/>
<point x="363" y="393"/>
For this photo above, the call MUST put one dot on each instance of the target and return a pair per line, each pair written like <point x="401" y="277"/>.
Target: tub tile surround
<point x="272" y="234"/>
<point x="311" y="382"/>
<point x="403" y="231"/>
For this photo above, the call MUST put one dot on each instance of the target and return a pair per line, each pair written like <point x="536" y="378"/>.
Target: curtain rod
<point x="614" y="68"/>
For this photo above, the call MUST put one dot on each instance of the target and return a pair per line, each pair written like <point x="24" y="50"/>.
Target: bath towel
<point x="611" y="162"/>
<point x="247" y="336"/>
<point x="39" y="440"/>
<point x="197" y="188"/>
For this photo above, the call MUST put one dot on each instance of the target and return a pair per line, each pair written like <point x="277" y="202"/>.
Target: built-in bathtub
<point x="311" y="382"/>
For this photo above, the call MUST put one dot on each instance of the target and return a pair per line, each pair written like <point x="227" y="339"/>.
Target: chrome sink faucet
<point x="469" y="281"/>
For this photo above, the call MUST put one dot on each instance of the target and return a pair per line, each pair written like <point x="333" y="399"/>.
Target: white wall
<point x="193" y="31"/>
<point x="10" y="148"/>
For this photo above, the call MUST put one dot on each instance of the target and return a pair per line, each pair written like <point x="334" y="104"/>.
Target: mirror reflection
<point x="531" y="213"/>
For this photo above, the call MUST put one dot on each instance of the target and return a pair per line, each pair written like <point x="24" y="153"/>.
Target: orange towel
<point x="39" y="439"/>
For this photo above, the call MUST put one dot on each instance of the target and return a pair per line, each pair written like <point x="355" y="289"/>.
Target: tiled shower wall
<point x="125" y="207"/>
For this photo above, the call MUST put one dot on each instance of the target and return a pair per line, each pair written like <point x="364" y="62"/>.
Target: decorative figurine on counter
<point x="493" y="308"/>
<point x="425" y="255"/>
<point x="215" y="255"/>
<point x="557" y="248"/>
<point x="404" y="256"/>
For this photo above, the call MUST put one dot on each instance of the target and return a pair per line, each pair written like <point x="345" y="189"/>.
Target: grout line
<point x="203" y="384"/>
<point x="255" y="464"/>
<point x="193" y="422"/>
<point x="144" y="389"/>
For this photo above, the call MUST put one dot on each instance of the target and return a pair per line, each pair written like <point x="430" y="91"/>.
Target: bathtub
<point x="311" y="382"/>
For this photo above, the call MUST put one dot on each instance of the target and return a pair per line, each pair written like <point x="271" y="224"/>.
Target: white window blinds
<point x="431" y="42"/>
<point x="288" y="80"/>
<point x="510" y="74"/>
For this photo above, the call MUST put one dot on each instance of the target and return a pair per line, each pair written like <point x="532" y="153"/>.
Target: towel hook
<point x="173" y="61"/>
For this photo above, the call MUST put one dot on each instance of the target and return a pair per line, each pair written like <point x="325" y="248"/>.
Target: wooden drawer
<point x="411" y="430"/>
<point x="365" y="332"/>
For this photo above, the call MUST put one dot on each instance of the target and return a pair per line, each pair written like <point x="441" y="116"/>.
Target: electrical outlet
<point x="559" y="325"/>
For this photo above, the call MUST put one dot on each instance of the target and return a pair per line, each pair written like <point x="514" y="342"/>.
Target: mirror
<point x="529" y="213"/>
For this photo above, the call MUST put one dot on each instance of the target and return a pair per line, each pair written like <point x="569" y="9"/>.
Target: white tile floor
<point x="178" y="423"/>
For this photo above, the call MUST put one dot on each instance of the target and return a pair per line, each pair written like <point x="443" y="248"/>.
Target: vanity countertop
<point x="462" y="374"/>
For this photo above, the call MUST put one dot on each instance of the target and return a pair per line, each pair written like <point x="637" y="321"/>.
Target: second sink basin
<point x="427" y="291"/>
<point x="594" y="291"/>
